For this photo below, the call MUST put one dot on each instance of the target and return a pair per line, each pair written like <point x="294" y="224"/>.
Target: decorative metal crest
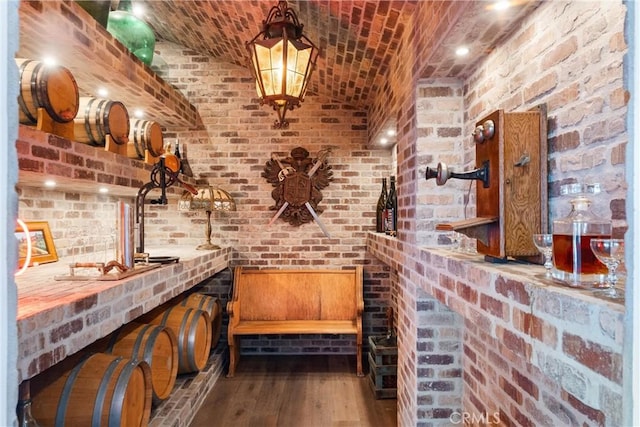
<point x="298" y="181"/>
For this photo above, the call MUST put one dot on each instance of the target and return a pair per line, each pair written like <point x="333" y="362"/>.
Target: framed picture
<point x="42" y="248"/>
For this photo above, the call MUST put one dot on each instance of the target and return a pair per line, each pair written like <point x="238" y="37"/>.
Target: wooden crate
<point x="383" y="368"/>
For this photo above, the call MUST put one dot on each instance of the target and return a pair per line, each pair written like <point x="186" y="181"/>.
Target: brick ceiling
<point x="357" y="38"/>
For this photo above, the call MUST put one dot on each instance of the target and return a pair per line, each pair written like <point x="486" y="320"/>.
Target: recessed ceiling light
<point x="502" y="5"/>
<point x="103" y="190"/>
<point x="384" y="141"/>
<point x="138" y="114"/>
<point x="138" y="10"/>
<point x="49" y="183"/>
<point x="391" y="132"/>
<point x="102" y="92"/>
<point x="462" y="51"/>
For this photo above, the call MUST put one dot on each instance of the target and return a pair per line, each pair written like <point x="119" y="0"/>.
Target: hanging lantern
<point x="282" y="60"/>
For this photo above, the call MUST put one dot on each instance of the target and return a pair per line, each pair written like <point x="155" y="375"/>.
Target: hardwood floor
<point x="292" y="391"/>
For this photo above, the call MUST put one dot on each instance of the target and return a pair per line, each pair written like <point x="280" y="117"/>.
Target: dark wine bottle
<point x="391" y="222"/>
<point x="176" y="152"/>
<point x="381" y="208"/>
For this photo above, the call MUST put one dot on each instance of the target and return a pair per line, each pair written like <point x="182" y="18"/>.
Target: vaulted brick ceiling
<point x="357" y="38"/>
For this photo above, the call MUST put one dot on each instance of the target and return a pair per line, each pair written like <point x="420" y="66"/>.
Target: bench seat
<point x="281" y="302"/>
<point x="282" y="327"/>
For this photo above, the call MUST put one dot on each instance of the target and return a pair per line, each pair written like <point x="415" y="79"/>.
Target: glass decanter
<point x="574" y="262"/>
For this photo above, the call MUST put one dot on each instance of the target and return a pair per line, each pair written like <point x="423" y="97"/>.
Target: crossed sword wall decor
<point x="321" y="158"/>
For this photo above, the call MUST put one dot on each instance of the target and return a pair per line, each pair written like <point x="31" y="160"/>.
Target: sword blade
<point x="315" y="216"/>
<point x="321" y="158"/>
<point x="277" y="215"/>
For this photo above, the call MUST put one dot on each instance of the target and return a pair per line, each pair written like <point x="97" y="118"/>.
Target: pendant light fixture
<point x="282" y="60"/>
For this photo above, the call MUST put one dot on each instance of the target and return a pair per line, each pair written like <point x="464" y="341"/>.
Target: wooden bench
<point x="280" y="301"/>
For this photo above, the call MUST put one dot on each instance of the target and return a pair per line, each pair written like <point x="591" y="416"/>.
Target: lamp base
<point x="207" y="247"/>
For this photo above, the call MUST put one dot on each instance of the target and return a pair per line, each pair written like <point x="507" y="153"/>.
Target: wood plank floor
<point x="292" y="391"/>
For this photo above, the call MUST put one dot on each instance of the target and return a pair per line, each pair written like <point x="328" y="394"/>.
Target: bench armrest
<point x="233" y="310"/>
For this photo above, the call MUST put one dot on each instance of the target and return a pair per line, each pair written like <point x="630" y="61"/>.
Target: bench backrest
<point x="280" y="294"/>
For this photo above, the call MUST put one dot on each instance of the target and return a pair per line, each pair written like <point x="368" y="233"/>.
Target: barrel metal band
<point x="61" y="412"/>
<point x="102" y="392"/>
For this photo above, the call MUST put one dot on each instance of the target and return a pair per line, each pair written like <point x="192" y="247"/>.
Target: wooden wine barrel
<point x="101" y="390"/>
<point x="192" y="327"/>
<point x="144" y="135"/>
<point x="157" y="345"/>
<point x="213" y="307"/>
<point x="45" y="86"/>
<point x="98" y="118"/>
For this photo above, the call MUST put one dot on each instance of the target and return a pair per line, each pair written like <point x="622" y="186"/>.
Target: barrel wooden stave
<point x="155" y="344"/>
<point x="101" y="390"/>
<point x="192" y="328"/>
<point x="99" y="117"/>
<point x="52" y="88"/>
<point x="213" y="307"/>
<point x="144" y="135"/>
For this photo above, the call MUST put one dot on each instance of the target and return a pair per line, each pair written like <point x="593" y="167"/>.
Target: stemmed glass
<point x="611" y="253"/>
<point x="544" y="243"/>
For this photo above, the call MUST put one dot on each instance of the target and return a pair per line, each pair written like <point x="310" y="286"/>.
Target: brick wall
<point x="80" y="223"/>
<point x="498" y="344"/>
<point x="568" y="56"/>
<point x="231" y="152"/>
<point x="440" y="117"/>
<point x="529" y="357"/>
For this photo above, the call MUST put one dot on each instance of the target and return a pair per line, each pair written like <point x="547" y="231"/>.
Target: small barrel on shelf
<point x="192" y="328"/>
<point x="100" y="117"/>
<point x="101" y="390"/>
<point x="51" y="87"/>
<point x="144" y="135"/>
<point x="213" y="307"/>
<point x="157" y="345"/>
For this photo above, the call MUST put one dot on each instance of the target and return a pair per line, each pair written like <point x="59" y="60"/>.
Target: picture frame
<point x="43" y="250"/>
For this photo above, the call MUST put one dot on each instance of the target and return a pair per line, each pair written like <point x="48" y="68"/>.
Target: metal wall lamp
<point x="282" y="61"/>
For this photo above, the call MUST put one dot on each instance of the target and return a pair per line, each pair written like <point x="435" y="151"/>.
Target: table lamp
<point x="208" y="199"/>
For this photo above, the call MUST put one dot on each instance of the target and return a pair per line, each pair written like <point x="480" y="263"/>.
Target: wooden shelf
<point x="65" y="31"/>
<point x="476" y="228"/>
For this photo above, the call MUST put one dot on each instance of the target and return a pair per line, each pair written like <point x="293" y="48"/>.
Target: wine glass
<point x="544" y="243"/>
<point x="611" y="253"/>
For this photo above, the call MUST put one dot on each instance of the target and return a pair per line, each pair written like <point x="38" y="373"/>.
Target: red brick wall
<point x="231" y="152"/>
<point x="529" y="356"/>
<point x="568" y="55"/>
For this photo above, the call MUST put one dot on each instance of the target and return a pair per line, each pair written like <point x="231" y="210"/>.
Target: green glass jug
<point x="131" y="31"/>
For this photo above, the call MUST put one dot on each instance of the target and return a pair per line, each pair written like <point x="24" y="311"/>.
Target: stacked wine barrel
<point x="53" y="89"/>
<point x="100" y="390"/>
<point x="144" y="135"/>
<point x="100" y="117"/>
<point x="121" y="377"/>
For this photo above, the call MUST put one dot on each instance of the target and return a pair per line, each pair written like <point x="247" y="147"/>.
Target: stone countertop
<point x="57" y="318"/>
